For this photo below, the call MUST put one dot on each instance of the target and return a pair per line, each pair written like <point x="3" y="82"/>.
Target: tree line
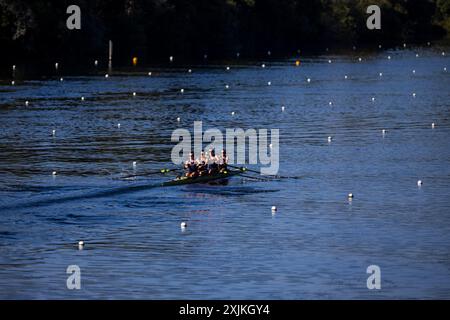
<point x="35" y="30"/>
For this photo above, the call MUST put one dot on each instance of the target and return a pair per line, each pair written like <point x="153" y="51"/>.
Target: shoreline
<point x="45" y="69"/>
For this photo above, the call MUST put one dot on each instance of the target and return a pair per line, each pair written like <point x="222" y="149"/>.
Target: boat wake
<point x="84" y="196"/>
<point x="236" y="191"/>
<point x="198" y="188"/>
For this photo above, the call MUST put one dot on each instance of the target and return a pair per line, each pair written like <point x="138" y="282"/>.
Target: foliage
<point x="188" y="29"/>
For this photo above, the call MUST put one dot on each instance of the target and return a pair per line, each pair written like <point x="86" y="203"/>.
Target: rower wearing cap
<point x="223" y="164"/>
<point x="191" y="166"/>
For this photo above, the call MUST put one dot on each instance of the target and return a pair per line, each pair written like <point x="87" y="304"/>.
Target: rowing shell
<point x="202" y="179"/>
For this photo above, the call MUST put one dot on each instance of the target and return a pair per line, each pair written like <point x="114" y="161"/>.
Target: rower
<point x="223" y="164"/>
<point x="191" y="166"/>
<point x="213" y="162"/>
<point x="202" y="164"/>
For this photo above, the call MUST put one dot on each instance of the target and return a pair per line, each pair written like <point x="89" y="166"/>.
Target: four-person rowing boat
<point x="206" y="169"/>
<point x="216" y="178"/>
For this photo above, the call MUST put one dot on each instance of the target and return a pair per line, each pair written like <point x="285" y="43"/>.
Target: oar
<point x="254" y="178"/>
<point x="254" y="171"/>
<point x="244" y="169"/>
<point x="162" y="171"/>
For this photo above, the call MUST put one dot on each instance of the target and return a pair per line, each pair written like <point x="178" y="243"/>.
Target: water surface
<point x="317" y="245"/>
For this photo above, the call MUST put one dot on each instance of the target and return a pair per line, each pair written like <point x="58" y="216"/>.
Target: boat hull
<point x="216" y="179"/>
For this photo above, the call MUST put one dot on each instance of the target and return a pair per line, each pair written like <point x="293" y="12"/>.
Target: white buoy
<point x="61" y="79"/>
<point x="228" y="68"/>
<point x="350" y="195"/>
<point x="308" y="80"/>
<point x="417" y="55"/>
<point x="389" y="57"/>
<point x="414" y="94"/>
<point x="56" y="65"/>
<point x="227" y="86"/>
<point x="330" y="103"/>
<point x="383" y="132"/>
<point x="373" y="99"/>
<point x="232" y="113"/>
<point x="80" y="243"/>
<point x="149" y="73"/>
<point x="171" y="58"/>
<point x="14" y="67"/>
<point x="419" y="182"/>
<point x="13" y="82"/>
<point x="263" y="65"/>
<point x="96" y="63"/>
<point x="270" y="146"/>
<point x="359" y="59"/>
<point x="345" y="77"/>
<point x="182" y="90"/>
<point x="404" y="45"/>
<point x="269" y="83"/>
<point x="329" y="61"/>
<point x="106" y="75"/>
<point x="82" y="98"/>
<point x="26" y="103"/>
<point x="183" y="225"/>
<point x="178" y="119"/>
<point x="274" y="208"/>
<point x="282" y="108"/>
<point x="330" y="138"/>
<point x="414" y="71"/>
<point x="432" y="125"/>
<point x="190" y="71"/>
<point x="445" y="69"/>
<point x="53" y="132"/>
<point x="54" y="173"/>
<point x="380" y="74"/>
<point x="443" y="53"/>
<point x="134" y="163"/>
<point x="134" y="94"/>
<point x="118" y="125"/>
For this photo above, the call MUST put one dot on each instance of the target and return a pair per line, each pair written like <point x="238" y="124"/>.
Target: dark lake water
<point x="317" y="245"/>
